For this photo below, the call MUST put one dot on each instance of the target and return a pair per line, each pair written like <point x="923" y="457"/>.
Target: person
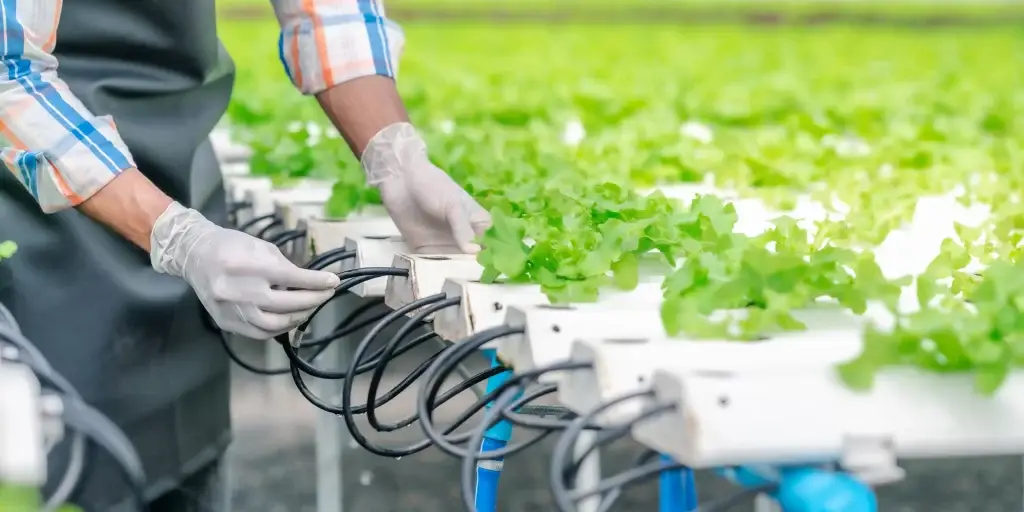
<point x="110" y="159"/>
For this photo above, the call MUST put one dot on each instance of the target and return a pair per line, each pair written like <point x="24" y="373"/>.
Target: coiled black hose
<point x="297" y="365"/>
<point x="256" y="220"/>
<point x="563" y="468"/>
<point x="502" y="407"/>
<point x="234" y="208"/>
<point x="326" y="259"/>
<point x="291" y="235"/>
<point x="365" y="274"/>
<point x="264" y="232"/>
<point x="429" y="305"/>
<point x="346" y="326"/>
<point x="491" y="417"/>
<point x="445" y="364"/>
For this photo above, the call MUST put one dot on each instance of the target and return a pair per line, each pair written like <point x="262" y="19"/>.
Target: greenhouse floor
<point x="273" y="466"/>
<point x="272" y="452"/>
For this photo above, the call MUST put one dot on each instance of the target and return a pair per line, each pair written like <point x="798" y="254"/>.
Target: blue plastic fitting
<point x="677" y="491"/>
<point x="808" y="489"/>
<point x="488" y="472"/>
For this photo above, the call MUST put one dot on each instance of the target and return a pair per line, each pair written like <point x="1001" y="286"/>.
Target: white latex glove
<point x="245" y="283"/>
<point x="433" y="213"/>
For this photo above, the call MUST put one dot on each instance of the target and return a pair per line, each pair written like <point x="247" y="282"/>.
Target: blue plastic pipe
<point x="488" y="472"/>
<point x="677" y="492"/>
<point x="815" y="490"/>
<point x="809" y="489"/>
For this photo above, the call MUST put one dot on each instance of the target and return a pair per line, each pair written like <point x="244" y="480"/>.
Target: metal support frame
<point x="330" y="433"/>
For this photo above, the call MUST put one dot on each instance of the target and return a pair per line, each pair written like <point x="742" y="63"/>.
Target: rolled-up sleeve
<point x="326" y="42"/>
<point x="60" y="151"/>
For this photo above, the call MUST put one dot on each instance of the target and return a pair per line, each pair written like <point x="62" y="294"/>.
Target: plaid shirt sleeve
<point x="54" y="146"/>
<point x="326" y="42"/>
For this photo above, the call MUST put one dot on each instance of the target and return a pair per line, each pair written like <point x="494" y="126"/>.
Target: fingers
<point x="280" y="311"/>
<point x="292" y="301"/>
<point x="285" y="274"/>
<point x="274" y="312"/>
<point x="481" y="221"/>
<point x="244" y="328"/>
<point x="462" y="230"/>
<point x="268" y="324"/>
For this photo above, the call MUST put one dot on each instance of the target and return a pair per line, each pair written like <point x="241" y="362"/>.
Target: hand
<point x="245" y="283"/>
<point x="433" y="213"/>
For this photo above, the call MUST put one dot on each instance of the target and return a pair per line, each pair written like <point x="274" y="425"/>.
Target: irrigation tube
<point x="444" y="365"/>
<point x="423" y="307"/>
<point x="247" y="225"/>
<point x="236" y="207"/>
<point x="677" y="491"/>
<point x="563" y="466"/>
<point x="488" y="472"/>
<point x="798" y="489"/>
<point x="284" y="237"/>
<point x="489" y="488"/>
<point x="349" y="279"/>
<point x="426" y="306"/>
<point x="264" y="233"/>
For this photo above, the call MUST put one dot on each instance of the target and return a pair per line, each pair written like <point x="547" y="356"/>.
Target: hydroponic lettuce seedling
<point x="769" y="275"/>
<point x="981" y="332"/>
<point x="349" y="195"/>
<point x="577" y="239"/>
<point x="901" y="116"/>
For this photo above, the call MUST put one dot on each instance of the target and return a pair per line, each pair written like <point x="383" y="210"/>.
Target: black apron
<point x="134" y="342"/>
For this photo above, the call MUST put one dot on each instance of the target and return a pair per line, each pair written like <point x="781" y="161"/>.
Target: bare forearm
<point x="130" y="204"/>
<point x="361" y="107"/>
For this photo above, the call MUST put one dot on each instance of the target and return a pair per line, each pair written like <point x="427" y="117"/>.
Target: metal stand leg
<point x="330" y="431"/>
<point x="227" y="479"/>
<point x="488" y="472"/>
<point x="764" y="503"/>
<point x="274" y="357"/>
<point x="589" y="475"/>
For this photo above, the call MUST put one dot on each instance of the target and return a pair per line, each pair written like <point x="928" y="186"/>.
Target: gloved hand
<point x="245" y="283"/>
<point x="433" y="213"/>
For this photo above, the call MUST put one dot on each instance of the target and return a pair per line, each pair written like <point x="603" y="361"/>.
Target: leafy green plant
<point x="578" y="243"/>
<point x="565" y="153"/>
<point x="769" y="275"/>
<point x="979" y="330"/>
